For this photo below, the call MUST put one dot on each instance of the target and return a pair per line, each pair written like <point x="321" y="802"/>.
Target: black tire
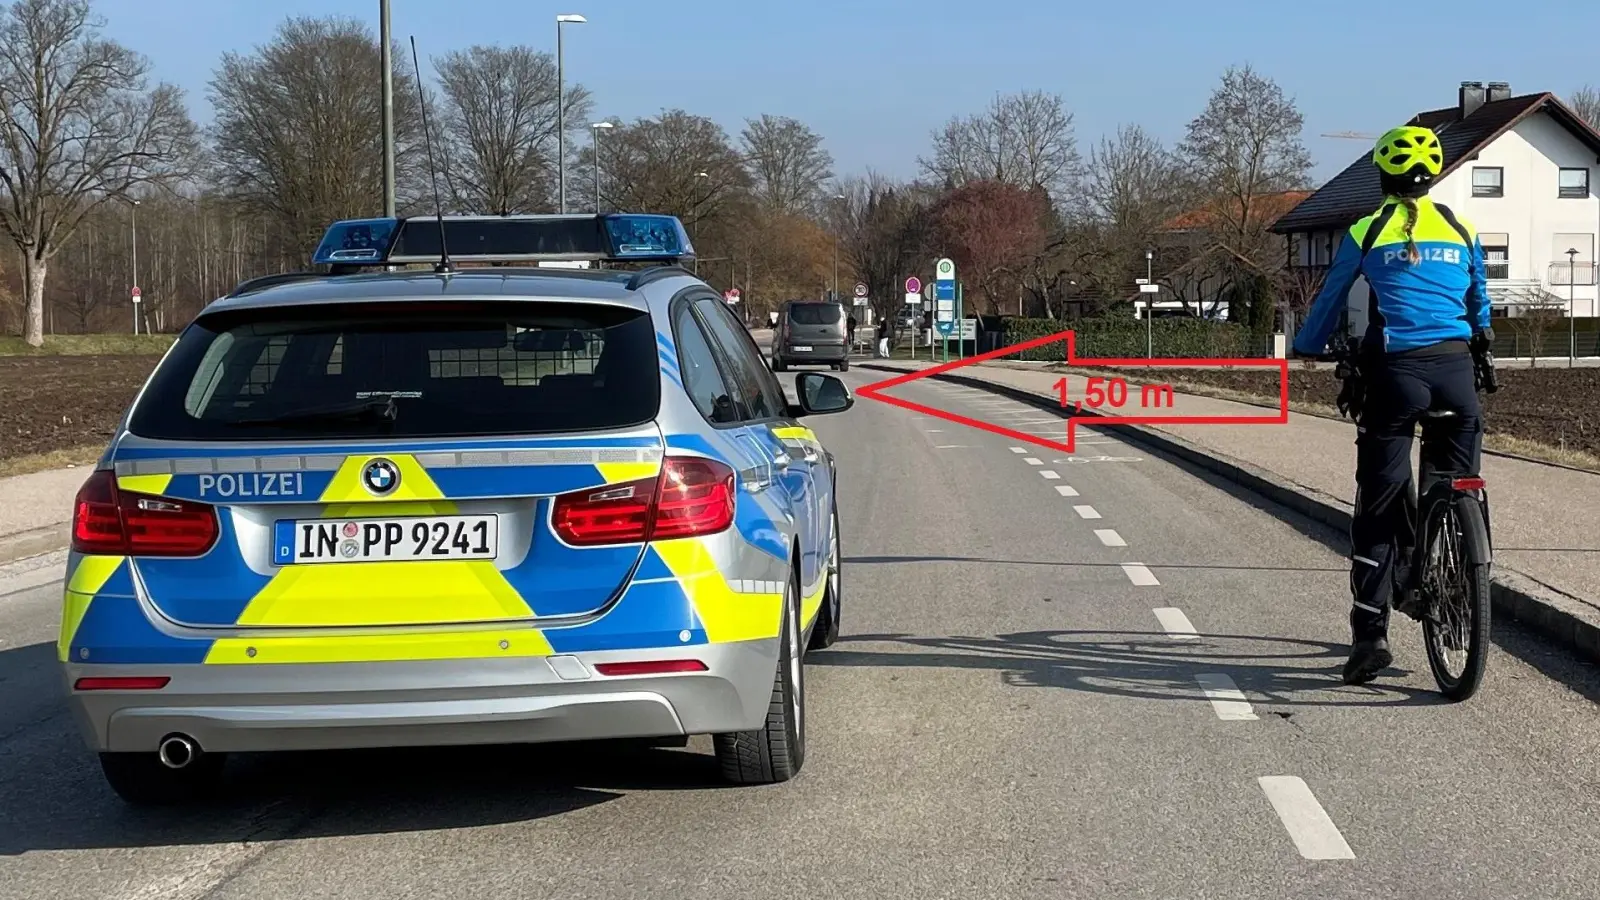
<point x="844" y="365"/>
<point x="1441" y="627"/>
<point x="777" y="364"/>
<point x="141" y="780"/>
<point x="826" y="631"/>
<point x="775" y="752"/>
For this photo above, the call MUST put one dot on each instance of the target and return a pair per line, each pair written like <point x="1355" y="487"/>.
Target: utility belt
<point x="1358" y="359"/>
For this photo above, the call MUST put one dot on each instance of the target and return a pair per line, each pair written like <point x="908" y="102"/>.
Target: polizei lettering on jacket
<point x="1451" y="255"/>
<point x="252" y="484"/>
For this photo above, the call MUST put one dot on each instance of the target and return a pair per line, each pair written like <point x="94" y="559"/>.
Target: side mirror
<point x="820" y="393"/>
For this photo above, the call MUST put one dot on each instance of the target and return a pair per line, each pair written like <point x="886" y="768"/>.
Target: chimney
<point x="1499" y="90"/>
<point x="1472" y="97"/>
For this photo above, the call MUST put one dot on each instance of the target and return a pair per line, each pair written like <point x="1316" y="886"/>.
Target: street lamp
<point x="837" y="199"/>
<point x="134" y="227"/>
<point x="561" y="103"/>
<point x="388" y="109"/>
<point x="594" y="132"/>
<point x="1572" y="307"/>
<point x="1149" y="329"/>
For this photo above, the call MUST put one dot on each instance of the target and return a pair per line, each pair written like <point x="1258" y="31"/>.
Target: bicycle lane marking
<point x="1308" y="824"/>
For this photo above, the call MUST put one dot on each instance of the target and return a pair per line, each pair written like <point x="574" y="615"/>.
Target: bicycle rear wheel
<point x="1455" y="588"/>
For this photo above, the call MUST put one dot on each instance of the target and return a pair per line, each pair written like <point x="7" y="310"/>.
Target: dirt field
<point x="1556" y="407"/>
<point x="52" y="403"/>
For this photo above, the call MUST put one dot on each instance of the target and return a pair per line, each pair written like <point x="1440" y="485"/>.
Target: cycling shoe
<point x="1367" y="659"/>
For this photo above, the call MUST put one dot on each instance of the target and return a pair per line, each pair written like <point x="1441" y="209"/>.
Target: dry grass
<point x="90" y="345"/>
<point x="55" y="459"/>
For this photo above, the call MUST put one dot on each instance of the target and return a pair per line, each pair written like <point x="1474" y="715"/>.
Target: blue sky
<point x="874" y="77"/>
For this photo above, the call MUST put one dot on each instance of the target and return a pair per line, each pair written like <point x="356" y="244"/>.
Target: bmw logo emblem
<point x="381" y="477"/>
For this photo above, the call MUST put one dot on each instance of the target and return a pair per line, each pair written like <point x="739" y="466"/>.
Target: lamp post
<point x="696" y="226"/>
<point x="837" y="199"/>
<point x="134" y="229"/>
<point x="388" y="109"/>
<point x="1572" y="307"/>
<point x="561" y="107"/>
<point x="594" y="131"/>
<point x="1149" y="329"/>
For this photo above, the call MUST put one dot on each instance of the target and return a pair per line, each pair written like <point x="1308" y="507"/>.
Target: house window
<point x="1488" y="181"/>
<point x="1496" y="255"/>
<point x="1573" y="184"/>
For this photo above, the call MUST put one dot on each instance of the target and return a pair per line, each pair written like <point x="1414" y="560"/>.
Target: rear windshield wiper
<point x="377" y="409"/>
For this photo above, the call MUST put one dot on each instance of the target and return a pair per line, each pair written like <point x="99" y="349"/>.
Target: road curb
<point x="1569" y="621"/>
<point x="34" y="542"/>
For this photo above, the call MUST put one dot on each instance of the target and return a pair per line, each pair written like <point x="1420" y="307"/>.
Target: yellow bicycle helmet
<point x="1403" y="150"/>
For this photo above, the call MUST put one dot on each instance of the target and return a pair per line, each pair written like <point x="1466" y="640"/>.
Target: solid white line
<point x="1032" y="461"/>
<point x="1049" y="474"/>
<point x="1229" y="702"/>
<point x="1066" y="490"/>
<point x="1176" y="624"/>
<point x="1019" y="450"/>
<point x="1109" y="537"/>
<point x="1087" y="512"/>
<point x="1140" y="575"/>
<point x="935" y="431"/>
<point x="1309" y="826"/>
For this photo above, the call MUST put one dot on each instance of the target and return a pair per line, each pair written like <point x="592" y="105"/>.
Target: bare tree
<point x="788" y="164"/>
<point x="1298" y="287"/>
<point x="1586" y="103"/>
<point x="1024" y="139"/>
<point x="885" y="235"/>
<point x="82" y="129"/>
<point x="655" y="164"/>
<point x="1243" y="152"/>
<point x="296" y="134"/>
<point x="1538" y="313"/>
<point x="1132" y="182"/>
<point x="500" y="125"/>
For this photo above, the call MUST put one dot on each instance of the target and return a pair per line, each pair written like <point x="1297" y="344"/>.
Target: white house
<point x="1524" y="170"/>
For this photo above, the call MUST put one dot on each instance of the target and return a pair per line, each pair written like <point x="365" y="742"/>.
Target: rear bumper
<point x="256" y="708"/>
<point x="819" y="353"/>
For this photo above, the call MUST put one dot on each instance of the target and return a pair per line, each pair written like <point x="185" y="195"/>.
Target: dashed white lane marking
<point x="1019" y="450"/>
<point x="1032" y="461"/>
<point x="1308" y="824"/>
<point x="1049" y="474"/>
<point x="935" y="431"/>
<point x="1087" y="512"/>
<point x="1140" y="575"/>
<point x="952" y="446"/>
<point x="1109" y="537"/>
<point x="1176" y="624"/>
<point x="1230" y="703"/>
<point x="1066" y="490"/>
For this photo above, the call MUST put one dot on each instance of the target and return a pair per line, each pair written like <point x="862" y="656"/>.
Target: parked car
<point x="810" y="332"/>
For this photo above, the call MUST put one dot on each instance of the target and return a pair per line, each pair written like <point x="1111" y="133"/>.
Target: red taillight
<point x="113" y="522"/>
<point x="692" y="496"/>
<point x="1468" y="484"/>
<point x="650" y="667"/>
<point x="128" y="683"/>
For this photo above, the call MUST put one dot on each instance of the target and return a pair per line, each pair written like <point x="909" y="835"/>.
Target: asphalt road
<point x="1019" y="708"/>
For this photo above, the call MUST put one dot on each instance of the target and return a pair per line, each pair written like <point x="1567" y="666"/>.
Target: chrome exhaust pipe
<point x="177" y="751"/>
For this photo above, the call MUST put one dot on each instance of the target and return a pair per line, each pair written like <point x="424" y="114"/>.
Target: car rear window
<point x="457" y="369"/>
<point x="815" y="314"/>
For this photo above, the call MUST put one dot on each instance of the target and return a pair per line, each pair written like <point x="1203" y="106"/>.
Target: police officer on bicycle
<point x="1427" y="320"/>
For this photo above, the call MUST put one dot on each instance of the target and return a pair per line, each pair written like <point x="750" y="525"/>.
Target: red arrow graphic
<point x="875" y="391"/>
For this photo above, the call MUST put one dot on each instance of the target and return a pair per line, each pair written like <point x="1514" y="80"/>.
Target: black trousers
<point x="1399" y="389"/>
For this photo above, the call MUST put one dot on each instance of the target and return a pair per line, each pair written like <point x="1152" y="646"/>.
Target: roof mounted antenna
<point x="443" y="267"/>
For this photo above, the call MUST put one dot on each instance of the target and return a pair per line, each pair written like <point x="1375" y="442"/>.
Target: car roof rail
<point x="655" y="273"/>
<point x="262" y="282"/>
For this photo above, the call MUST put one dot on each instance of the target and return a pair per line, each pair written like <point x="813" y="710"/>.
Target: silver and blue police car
<point x="375" y="507"/>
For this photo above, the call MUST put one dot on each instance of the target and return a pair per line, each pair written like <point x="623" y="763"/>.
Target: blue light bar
<point x="618" y="237"/>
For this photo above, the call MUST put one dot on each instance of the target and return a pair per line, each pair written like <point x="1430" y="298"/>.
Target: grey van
<point x="810" y="332"/>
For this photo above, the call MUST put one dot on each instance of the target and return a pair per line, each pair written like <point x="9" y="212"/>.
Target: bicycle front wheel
<point x="1455" y="587"/>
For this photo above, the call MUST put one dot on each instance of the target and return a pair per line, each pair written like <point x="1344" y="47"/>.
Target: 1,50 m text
<point x="1113" y="392"/>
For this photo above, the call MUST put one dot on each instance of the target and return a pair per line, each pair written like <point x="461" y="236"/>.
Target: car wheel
<point x="141" y="780"/>
<point x="777" y="364"/>
<point x="844" y="365"/>
<point x="826" y="631"/>
<point x="774" y="752"/>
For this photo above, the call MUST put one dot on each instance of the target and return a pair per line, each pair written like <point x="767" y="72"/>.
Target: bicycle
<point x="1447" y="578"/>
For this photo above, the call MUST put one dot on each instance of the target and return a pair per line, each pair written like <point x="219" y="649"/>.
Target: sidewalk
<point x="1546" y="519"/>
<point x="35" y="511"/>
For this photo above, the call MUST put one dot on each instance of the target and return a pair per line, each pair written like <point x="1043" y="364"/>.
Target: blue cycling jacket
<point x="1443" y="297"/>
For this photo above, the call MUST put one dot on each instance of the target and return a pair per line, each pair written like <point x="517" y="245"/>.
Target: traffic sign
<point x="861" y="289"/>
<point x="1149" y="288"/>
<point x="136" y="295"/>
<point x="913" y="298"/>
<point x="731" y="295"/>
<point x="913" y="285"/>
<point x="945" y="270"/>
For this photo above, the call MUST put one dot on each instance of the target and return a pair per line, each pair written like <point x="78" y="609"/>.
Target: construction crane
<point x="1351" y="136"/>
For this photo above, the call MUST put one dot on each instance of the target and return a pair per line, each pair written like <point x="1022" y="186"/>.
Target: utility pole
<point x="388" y="109"/>
<point x="1149" y="328"/>
<point x="1572" y="307"/>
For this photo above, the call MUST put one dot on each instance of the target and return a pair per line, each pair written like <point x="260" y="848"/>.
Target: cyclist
<point x="1427" y="317"/>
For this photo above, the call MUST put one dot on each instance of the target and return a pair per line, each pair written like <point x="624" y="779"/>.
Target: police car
<point x="381" y="507"/>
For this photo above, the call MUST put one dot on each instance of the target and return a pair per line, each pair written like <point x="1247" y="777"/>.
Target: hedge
<point x="1125" y="337"/>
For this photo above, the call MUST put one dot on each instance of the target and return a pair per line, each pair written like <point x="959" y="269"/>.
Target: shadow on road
<point x="1144" y="665"/>
<point x="52" y="796"/>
